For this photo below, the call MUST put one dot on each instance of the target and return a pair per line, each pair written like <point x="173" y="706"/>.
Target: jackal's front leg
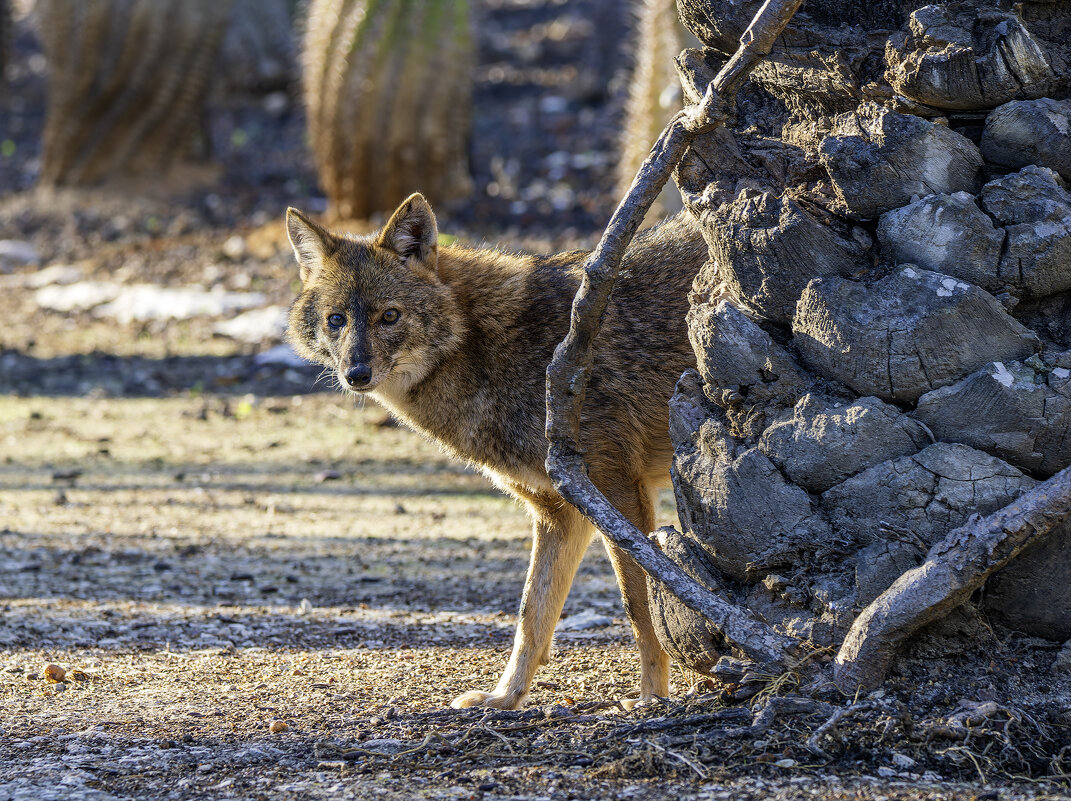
<point x="560" y="538"/>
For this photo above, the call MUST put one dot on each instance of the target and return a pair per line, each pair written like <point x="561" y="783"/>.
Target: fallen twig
<point x="702" y="774"/>
<point x="831" y="724"/>
<point x="567" y="375"/>
<point x="954" y="568"/>
<point x="727" y="715"/>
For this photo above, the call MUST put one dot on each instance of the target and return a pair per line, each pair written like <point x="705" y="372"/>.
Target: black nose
<point x="359" y="375"/>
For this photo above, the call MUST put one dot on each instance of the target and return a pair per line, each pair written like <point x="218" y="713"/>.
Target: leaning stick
<point x="567" y="375"/>
<point x="954" y="568"/>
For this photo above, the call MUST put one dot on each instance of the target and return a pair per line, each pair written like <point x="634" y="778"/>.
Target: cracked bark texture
<point x="882" y="330"/>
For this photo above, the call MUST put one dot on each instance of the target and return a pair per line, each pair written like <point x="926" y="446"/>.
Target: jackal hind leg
<point x="636" y="501"/>
<point x="559" y="538"/>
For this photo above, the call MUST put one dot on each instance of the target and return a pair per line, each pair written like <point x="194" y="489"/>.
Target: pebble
<point x="588" y="619"/>
<point x="280" y="354"/>
<point x="1063" y="659"/>
<point x="277" y="726"/>
<point x="14" y="252"/>
<point x="54" y="673"/>
<point x="255" y="326"/>
<point x="234" y="247"/>
<point x="903" y="761"/>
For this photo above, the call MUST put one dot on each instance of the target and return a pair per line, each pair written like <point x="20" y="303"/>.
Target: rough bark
<point x="1030" y="132"/>
<point x="813" y="355"/>
<point x="825" y="442"/>
<point x="954" y="568"/>
<point x="1019" y="411"/>
<point x="568" y="372"/>
<point x="880" y="159"/>
<point x="954" y="58"/>
<point x="890" y="339"/>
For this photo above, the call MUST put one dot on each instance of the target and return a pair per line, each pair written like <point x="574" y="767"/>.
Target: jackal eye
<point x="336" y="320"/>
<point x="391" y="316"/>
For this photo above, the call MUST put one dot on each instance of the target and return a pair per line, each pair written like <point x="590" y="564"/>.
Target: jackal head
<point x="373" y="308"/>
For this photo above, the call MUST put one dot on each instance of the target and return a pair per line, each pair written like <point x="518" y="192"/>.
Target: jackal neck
<point x="482" y="398"/>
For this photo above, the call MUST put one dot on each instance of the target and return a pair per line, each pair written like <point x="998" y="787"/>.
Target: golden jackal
<point x="456" y="342"/>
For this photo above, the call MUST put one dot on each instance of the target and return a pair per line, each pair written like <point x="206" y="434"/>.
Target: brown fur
<point x="465" y="363"/>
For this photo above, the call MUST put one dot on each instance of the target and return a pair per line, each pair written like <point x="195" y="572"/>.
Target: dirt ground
<point x="200" y="574"/>
<point x="209" y="541"/>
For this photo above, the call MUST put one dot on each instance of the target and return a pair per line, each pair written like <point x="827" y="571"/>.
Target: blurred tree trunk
<point x="654" y="94"/>
<point x="127" y="80"/>
<point x="388" y="90"/>
<point x="7" y="37"/>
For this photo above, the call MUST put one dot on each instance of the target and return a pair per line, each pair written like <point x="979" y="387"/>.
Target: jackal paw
<point x="628" y="704"/>
<point x="492" y="700"/>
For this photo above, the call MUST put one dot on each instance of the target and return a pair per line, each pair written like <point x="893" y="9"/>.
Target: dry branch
<point x="567" y="375"/>
<point x="953" y="569"/>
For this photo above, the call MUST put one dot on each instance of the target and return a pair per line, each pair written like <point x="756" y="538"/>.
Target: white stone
<point x="256" y="325"/>
<point x="76" y="297"/>
<point x="140" y="302"/>
<point x="588" y="619"/>
<point x="16" y="251"/>
<point x="280" y="354"/>
<point x="234" y="247"/>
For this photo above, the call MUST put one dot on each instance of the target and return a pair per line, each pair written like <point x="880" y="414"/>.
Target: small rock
<point x="903" y="761"/>
<point x="54" y="673"/>
<point x="385" y="745"/>
<point x="1063" y="659"/>
<point x="255" y="326"/>
<point x="233" y="247"/>
<point x="588" y="619"/>
<point x="280" y="354"/>
<point x="15" y="252"/>
<point x="55" y="274"/>
<point x="277" y="726"/>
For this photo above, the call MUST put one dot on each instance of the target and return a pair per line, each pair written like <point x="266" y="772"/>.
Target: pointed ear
<point x="411" y="231"/>
<point x="310" y="243"/>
